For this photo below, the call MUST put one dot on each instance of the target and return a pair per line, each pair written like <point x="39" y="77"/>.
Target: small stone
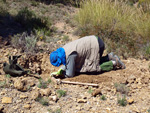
<point x="1" y="109"/>
<point x="53" y="98"/>
<point x="6" y="100"/>
<point x="45" y="92"/>
<point x="131" y="79"/>
<point x="135" y="109"/>
<point x="97" y="92"/>
<point x="15" y="107"/>
<point x="2" y="93"/>
<point x="130" y="101"/>
<point x="108" y="110"/>
<point x="27" y="106"/>
<point x="81" y="101"/>
<point x="57" y="87"/>
<point x="18" y="101"/>
<point x="23" y="96"/>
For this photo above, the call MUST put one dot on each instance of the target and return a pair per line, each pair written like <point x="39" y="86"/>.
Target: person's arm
<point x="69" y="68"/>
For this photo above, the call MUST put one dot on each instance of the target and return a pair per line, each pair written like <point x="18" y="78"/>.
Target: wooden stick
<point x="79" y="83"/>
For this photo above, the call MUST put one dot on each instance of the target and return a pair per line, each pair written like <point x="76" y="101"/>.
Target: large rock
<point x="6" y="100"/>
<point x="20" y="84"/>
<point x="96" y="92"/>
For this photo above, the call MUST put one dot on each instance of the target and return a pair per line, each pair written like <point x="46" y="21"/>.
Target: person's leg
<point x="107" y="66"/>
<point x="107" y="58"/>
<point x="104" y="59"/>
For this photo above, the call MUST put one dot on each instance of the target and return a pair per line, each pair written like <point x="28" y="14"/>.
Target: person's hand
<point x="59" y="72"/>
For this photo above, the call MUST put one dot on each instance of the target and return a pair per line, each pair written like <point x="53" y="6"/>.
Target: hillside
<point x="118" y="91"/>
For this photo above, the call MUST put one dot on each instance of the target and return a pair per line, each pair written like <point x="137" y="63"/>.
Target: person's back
<point x="87" y="49"/>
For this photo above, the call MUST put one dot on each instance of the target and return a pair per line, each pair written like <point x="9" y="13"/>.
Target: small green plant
<point x="61" y="93"/>
<point x="42" y="84"/>
<point x="7" y="76"/>
<point x="121" y="88"/>
<point x="65" y="38"/>
<point x="57" y="111"/>
<point x="90" y="90"/>
<point x="147" y="52"/>
<point x="49" y="81"/>
<point x="122" y="101"/>
<point x="3" y="84"/>
<point x="103" y="97"/>
<point x="43" y="101"/>
<point x="148" y="110"/>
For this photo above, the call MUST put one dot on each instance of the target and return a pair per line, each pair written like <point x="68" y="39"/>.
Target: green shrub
<point x="61" y="93"/>
<point x="30" y="21"/>
<point x="25" y="42"/>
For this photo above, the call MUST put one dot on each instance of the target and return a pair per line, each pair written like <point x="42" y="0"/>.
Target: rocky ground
<point x="24" y="95"/>
<point x="118" y="91"/>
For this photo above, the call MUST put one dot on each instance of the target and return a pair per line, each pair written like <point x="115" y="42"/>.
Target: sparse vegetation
<point x="65" y="38"/>
<point x="121" y="88"/>
<point x="61" y="93"/>
<point x="43" y="101"/>
<point x="121" y="26"/>
<point x="58" y="110"/>
<point x="26" y="42"/>
<point x="43" y="84"/>
<point x="103" y="97"/>
<point x="122" y="101"/>
<point x="49" y="81"/>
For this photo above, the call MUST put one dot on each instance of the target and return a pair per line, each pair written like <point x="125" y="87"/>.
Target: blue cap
<point x="58" y="57"/>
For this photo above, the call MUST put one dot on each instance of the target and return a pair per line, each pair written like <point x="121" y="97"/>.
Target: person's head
<point x="58" y="57"/>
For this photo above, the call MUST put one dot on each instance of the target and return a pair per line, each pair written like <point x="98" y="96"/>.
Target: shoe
<point x="119" y="63"/>
<point x="110" y="56"/>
